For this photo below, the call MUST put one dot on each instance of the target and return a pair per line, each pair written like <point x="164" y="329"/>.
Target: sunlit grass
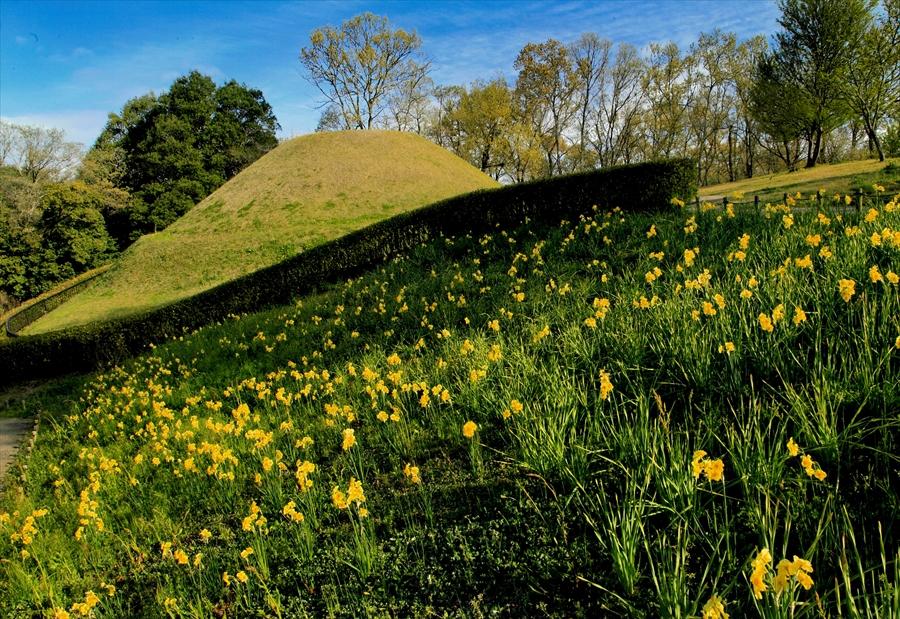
<point x="308" y="190"/>
<point x="591" y="419"/>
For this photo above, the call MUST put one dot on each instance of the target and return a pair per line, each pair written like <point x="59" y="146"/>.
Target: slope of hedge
<point x="647" y="186"/>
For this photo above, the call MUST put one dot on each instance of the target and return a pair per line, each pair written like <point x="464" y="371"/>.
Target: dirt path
<point x="14" y="431"/>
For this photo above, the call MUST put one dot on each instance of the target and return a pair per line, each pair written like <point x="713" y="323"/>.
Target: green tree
<point x="171" y="151"/>
<point x="814" y="52"/>
<point x="73" y="228"/>
<point x="361" y="65"/>
<point x="779" y="109"/>
<point x="482" y="117"/>
<point x="546" y="87"/>
<point x="873" y="86"/>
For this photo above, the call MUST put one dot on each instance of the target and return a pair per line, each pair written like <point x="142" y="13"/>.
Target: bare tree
<point x="359" y="66"/>
<point x="43" y="154"/>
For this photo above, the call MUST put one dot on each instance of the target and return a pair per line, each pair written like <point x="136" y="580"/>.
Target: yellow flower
<point x="765" y="323"/>
<point x="469" y="428"/>
<point x="355" y="492"/>
<point x="696" y="463"/>
<point x="788" y="221"/>
<point x="412" y="473"/>
<point x="338" y="498"/>
<point x="180" y="557"/>
<point x="778" y="312"/>
<point x="727" y="347"/>
<point x="241" y="576"/>
<point x="875" y="275"/>
<point x="349" y="439"/>
<point x="590" y="322"/>
<point x="746" y="294"/>
<point x="713" y="469"/>
<point x="714" y="608"/>
<point x="760" y="567"/>
<point x="708" y="309"/>
<point x="799" y="316"/>
<point x="170" y="603"/>
<point x="606" y="385"/>
<point x="651" y="232"/>
<point x="226" y="579"/>
<point x="516" y="406"/>
<point x="813" y="240"/>
<point x="60" y="613"/>
<point x="792" y="447"/>
<point x="847" y="288"/>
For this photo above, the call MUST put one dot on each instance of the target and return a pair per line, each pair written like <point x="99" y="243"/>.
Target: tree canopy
<point x="361" y="66"/>
<point x="173" y="150"/>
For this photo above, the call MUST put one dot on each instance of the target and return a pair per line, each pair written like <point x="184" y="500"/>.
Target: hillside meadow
<point x="308" y="190"/>
<point x="676" y="414"/>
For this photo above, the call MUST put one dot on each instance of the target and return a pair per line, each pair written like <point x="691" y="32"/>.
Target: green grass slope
<point x="624" y="415"/>
<point x="841" y="178"/>
<point x="308" y="190"/>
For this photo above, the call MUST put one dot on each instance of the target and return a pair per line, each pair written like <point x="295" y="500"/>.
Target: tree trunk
<point x="873" y="140"/>
<point x="817" y="146"/>
<point x="730" y="154"/>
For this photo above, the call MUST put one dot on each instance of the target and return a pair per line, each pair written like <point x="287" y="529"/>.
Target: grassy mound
<point x="306" y="191"/>
<point x="627" y="415"/>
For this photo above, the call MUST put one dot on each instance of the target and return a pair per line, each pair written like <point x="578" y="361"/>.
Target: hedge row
<point x="20" y="317"/>
<point x="647" y="186"/>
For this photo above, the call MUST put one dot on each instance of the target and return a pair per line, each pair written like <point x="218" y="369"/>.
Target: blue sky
<point x="68" y="64"/>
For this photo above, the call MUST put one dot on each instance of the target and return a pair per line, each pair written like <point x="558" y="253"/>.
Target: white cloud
<point x="82" y="126"/>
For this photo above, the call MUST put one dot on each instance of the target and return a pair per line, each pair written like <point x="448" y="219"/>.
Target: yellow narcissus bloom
<point x="727" y="347"/>
<point x="765" y="323"/>
<point x="412" y="473"/>
<point x="847" y="288"/>
<point x="792" y="447"/>
<point x="708" y="309"/>
<point x="714" y="608"/>
<point x="760" y="567"/>
<point x="516" y="406"/>
<point x="778" y="312"/>
<point x="799" y="316"/>
<point x="60" y="613"/>
<point x="606" y="385"/>
<point x="713" y="469"/>
<point x="338" y="498"/>
<point x="875" y="275"/>
<point x="469" y="429"/>
<point x="241" y="576"/>
<point x="788" y="221"/>
<point x="349" y="439"/>
<point x="180" y="556"/>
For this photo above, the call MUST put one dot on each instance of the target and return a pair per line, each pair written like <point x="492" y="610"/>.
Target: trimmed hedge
<point x="646" y="187"/>
<point x="20" y="317"/>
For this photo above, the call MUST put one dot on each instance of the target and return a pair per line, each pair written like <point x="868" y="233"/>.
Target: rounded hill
<point x="308" y="190"/>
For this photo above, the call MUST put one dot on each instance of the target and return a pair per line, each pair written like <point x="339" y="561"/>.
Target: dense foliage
<point x="172" y="151"/>
<point x="152" y="163"/>
<point x="644" y="186"/>
<point x="667" y="414"/>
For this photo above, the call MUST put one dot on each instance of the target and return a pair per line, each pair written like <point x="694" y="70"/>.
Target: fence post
<point x="756" y="203"/>
<point x="859" y="199"/>
<point x="698" y="204"/>
<point x="784" y="199"/>
<point x="724" y="203"/>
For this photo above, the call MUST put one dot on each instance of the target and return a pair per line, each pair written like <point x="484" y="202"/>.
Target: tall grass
<point x="644" y="443"/>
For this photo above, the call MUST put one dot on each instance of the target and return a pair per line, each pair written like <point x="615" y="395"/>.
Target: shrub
<point x="647" y="186"/>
